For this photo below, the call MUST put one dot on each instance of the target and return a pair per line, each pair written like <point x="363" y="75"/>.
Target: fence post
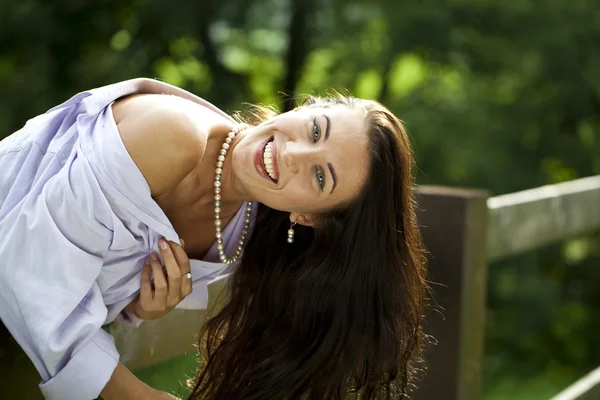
<point x="454" y="227"/>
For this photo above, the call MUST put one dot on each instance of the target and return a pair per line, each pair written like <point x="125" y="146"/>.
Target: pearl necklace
<point x="218" y="233"/>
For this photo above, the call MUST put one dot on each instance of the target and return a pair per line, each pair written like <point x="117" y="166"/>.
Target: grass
<point x="170" y="376"/>
<point x="542" y="387"/>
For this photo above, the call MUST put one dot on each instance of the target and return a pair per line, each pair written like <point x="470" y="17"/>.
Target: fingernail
<point x="163" y="245"/>
<point x="154" y="256"/>
<point x="146" y="262"/>
<point x="182" y="242"/>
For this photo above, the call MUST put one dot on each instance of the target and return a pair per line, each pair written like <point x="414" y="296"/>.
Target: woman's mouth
<point x="265" y="160"/>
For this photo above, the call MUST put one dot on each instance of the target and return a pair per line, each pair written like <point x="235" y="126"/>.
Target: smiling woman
<point x="311" y="212"/>
<point x="318" y="158"/>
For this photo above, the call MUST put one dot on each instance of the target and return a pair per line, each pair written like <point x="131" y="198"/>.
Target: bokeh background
<point x="496" y="94"/>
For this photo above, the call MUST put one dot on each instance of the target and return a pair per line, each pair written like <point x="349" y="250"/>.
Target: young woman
<point x="310" y="211"/>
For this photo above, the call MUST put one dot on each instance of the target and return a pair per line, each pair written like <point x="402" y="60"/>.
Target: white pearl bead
<point x="217" y="203"/>
<point x="291" y="232"/>
<point x="290" y="240"/>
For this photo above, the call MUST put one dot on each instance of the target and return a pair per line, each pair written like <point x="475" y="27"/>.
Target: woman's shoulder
<point x="165" y="136"/>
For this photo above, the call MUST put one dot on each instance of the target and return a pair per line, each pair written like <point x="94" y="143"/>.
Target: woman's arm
<point x="123" y="385"/>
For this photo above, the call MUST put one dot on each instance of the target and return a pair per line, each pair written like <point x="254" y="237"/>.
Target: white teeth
<point x="268" y="160"/>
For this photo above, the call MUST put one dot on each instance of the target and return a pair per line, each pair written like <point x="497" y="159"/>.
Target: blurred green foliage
<point x="503" y="95"/>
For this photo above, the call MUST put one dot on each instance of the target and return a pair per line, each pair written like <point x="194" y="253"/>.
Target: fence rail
<point x="587" y="388"/>
<point x="524" y="221"/>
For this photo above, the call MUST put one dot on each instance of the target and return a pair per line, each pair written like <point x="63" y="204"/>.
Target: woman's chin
<point x="264" y="200"/>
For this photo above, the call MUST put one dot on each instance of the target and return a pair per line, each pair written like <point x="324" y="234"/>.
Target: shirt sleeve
<point x="128" y="318"/>
<point x="88" y="369"/>
<point x="52" y="250"/>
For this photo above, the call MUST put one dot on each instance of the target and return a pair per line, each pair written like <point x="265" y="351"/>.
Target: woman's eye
<point x="316" y="131"/>
<point x="321" y="179"/>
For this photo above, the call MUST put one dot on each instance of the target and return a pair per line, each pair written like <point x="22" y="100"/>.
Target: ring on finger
<point x="188" y="275"/>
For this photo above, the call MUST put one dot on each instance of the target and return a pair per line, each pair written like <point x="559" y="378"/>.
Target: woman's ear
<point x="303" y="219"/>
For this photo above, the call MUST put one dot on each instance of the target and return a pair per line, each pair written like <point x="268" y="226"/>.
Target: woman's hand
<point x="154" y="302"/>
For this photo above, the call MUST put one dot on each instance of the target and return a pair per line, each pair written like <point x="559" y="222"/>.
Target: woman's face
<point x="304" y="161"/>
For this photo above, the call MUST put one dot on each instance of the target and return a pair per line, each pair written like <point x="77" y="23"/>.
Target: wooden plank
<point x="587" y="388"/>
<point x="454" y="228"/>
<point x="524" y="221"/>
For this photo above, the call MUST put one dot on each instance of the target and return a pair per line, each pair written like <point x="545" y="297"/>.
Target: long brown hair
<point x="340" y="309"/>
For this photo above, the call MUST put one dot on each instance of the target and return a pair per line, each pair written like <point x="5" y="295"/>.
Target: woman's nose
<point x="298" y="154"/>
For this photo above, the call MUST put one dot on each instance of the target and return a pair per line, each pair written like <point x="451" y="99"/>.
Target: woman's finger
<point x="160" y="282"/>
<point x="173" y="274"/>
<point x="184" y="268"/>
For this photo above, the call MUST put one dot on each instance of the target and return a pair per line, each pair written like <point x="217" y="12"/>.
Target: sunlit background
<point x="496" y="94"/>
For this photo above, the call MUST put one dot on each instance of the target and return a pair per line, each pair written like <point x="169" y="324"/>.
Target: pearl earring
<point x="291" y="232"/>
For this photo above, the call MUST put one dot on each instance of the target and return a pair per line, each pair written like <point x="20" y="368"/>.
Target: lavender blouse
<point x="77" y="221"/>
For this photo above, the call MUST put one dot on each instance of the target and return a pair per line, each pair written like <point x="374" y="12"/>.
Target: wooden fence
<point x="464" y="230"/>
